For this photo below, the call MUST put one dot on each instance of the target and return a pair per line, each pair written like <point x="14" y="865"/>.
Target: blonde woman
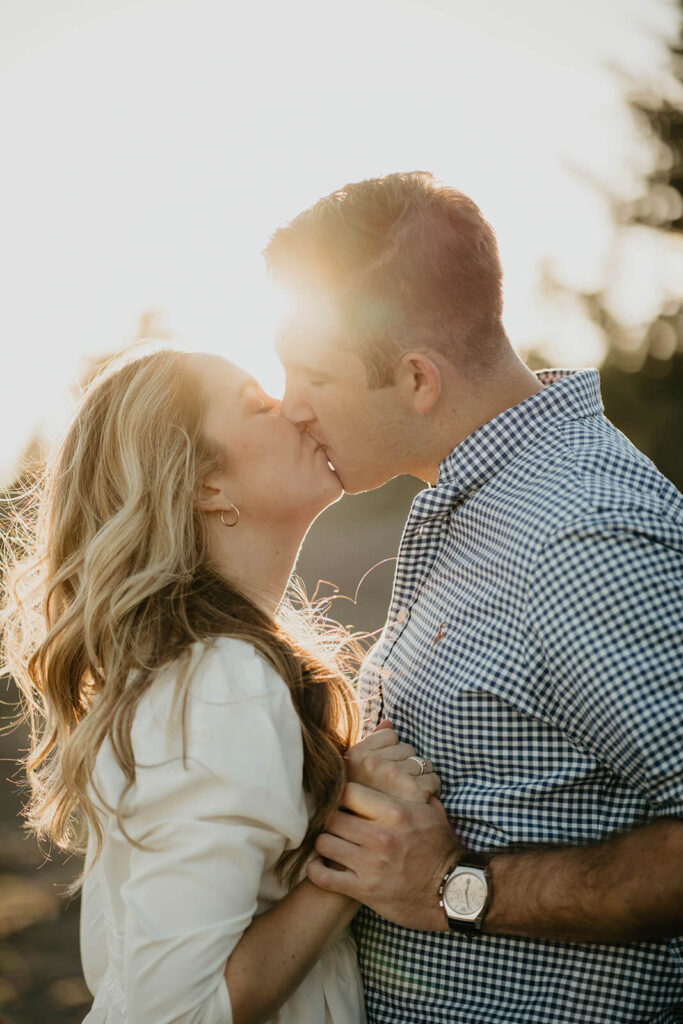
<point x="175" y="722"/>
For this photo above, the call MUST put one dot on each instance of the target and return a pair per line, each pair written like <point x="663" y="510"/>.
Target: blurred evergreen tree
<point x="642" y="376"/>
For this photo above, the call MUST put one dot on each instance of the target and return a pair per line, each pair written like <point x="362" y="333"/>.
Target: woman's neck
<point x="256" y="558"/>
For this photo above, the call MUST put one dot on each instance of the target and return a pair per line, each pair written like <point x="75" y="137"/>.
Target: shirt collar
<point x="566" y="395"/>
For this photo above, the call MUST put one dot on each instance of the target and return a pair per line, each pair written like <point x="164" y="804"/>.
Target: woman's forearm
<point x="280" y="947"/>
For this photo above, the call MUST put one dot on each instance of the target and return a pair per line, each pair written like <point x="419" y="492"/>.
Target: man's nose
<point x="295" y="409"/>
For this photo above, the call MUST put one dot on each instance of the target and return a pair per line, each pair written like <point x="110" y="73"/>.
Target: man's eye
<point x="316" y="383"/>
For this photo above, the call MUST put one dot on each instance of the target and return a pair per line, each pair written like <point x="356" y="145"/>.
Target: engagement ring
<point x="426" y="766"/>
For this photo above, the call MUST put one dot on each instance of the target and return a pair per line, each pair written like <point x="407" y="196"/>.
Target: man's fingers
<point x="339" y="850"/>
<point x="369" y="803"/>
<point x="348" y="826"/>
<point x="384" y="724"/>
<point x="344" y="882"/>
<point x="390" y="811"/>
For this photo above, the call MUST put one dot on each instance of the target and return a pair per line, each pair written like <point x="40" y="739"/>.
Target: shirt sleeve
<point x="605" y="603"/>
<point x="93" y="941"/>
<point x="211" y="825"/>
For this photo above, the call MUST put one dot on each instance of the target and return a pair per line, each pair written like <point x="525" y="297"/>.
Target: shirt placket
<point x="423" y="538"/>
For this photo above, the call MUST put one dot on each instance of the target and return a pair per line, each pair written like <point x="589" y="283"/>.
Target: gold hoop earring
<point x="236" y="513"/>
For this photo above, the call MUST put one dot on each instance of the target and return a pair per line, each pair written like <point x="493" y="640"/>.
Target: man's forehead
<point x="295" y="347"/>
<point x="309" y="333"/>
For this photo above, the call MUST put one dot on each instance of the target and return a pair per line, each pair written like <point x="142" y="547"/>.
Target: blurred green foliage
<point x="647" y="406"/>
<point x="642" y="376"/>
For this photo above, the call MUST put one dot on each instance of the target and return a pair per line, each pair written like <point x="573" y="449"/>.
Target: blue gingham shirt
<point x="533" y="651"/>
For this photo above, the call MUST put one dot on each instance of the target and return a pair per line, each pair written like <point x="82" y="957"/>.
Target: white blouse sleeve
<point x="93" y="939"/>
<point x="210" y="828"/>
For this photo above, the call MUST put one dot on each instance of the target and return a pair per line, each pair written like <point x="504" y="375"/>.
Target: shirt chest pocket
<point x="459" y="689"/>
<point x="438" y="655"/>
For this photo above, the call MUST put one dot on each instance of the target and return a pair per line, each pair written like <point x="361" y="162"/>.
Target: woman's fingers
<point x="384" y="736"/>
<point x="399" y="752"/>
<point x="383" y="763"/>
<point x="412" y="787"/>
<point x="396" y="776"/>
<point x="431" y="784"/>
<point x="357" y="769"/>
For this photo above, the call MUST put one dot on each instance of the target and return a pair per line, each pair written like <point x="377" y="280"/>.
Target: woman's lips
<point x="329" y="463"/>
<point x="321" y="447"/>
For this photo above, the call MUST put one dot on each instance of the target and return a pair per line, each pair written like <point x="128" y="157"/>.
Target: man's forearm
<point x="624" y="889"/>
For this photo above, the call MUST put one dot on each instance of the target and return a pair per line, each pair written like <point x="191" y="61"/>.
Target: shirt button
<point x="402" y="615"/>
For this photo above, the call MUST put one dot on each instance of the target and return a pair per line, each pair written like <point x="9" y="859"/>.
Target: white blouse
<point x="159" y="923"/>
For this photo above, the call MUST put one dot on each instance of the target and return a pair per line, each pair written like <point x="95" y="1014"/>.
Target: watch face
<point x="465" y="894"/>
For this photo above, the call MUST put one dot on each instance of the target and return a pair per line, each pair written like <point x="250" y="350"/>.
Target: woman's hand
<point x="381" y="762"/>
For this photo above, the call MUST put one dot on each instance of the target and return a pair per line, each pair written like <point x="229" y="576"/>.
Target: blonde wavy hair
<point x="117" y="584"/>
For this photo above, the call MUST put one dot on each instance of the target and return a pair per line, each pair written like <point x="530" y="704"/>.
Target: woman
<point x="175" y="721"/>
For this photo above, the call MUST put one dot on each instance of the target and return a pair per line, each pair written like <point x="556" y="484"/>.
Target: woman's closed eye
<point x="259" y="401"/>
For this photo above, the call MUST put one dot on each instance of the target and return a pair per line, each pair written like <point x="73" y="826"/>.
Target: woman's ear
<point x="419" y="380"/>
<point x="210" y="498"/>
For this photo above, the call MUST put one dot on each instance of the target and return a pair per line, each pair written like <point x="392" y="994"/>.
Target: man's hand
<point x="628" y="888"/>
<point x="381" y="762"/>
<point x="396" y="853"/>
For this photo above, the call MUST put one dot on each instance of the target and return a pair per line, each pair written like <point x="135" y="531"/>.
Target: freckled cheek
<point x="270" y="458"/>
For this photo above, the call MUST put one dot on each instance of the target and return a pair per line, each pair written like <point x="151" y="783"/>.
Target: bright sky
<point x="151" y="146"/>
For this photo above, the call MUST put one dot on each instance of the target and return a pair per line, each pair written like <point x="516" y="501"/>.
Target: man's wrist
<point x="446" y="866"/>
<point x="466" y="892"/>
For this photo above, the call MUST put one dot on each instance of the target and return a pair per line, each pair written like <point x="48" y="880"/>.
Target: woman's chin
<point x="330" y="494"/>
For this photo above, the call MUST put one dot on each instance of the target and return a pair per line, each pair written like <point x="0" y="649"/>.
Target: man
<point x="533" y="648"/>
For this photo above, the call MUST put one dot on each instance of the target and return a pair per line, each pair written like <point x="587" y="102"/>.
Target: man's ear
<point x="419" y="379"/>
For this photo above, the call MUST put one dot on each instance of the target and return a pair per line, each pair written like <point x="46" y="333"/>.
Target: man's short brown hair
<point x="409" y="262"/>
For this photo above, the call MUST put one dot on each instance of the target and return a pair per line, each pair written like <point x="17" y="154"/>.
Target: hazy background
<point x="150" y="147"/>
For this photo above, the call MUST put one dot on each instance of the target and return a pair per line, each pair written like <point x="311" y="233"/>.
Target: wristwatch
<point x="465" y="893"/>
